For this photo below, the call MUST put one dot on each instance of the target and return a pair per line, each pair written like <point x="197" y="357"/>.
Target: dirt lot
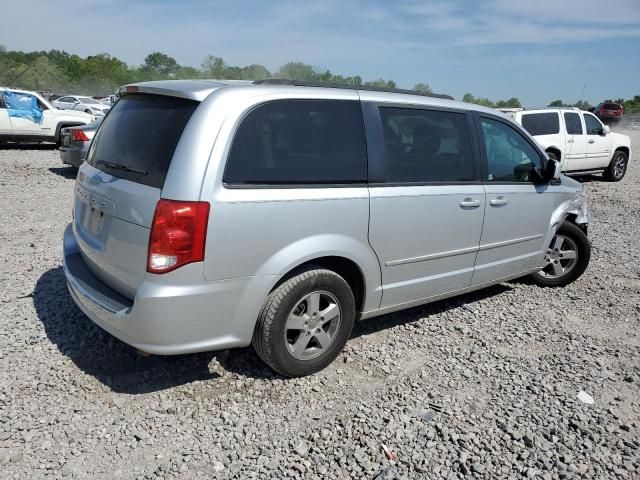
<point x="481" y="386"/>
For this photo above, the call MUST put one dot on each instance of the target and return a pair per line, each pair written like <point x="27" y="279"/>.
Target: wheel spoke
<point x="313" y="302"/>
<point x="329" y="313"/>
<point x="295" y="322"/>
<point x="557" y="269"/>
<point x="557" y="244"/>
<point x="323" y="338"/>
<point x="567" y="254"/>
<point x="301" y="344"/>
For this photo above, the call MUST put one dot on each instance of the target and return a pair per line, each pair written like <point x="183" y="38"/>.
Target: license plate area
<point x="93" y="213"/>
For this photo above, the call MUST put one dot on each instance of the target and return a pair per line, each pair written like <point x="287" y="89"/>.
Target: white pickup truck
<point x="578" y="140"/>
<point x="28" y="117"/>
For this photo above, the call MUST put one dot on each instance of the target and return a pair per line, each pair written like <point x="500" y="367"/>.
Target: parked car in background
<point x="75" y="143"/>
<point x="579" y="141"/>
<point x="609" y="111"/>
<point x="110" y="100"/>
<point x="209" y="216"/>
<point x="86" y="104"/>
<point x="28" y="117"/>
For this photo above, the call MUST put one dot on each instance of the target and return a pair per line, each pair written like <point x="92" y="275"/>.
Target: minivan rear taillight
<point x="178" y="235"/>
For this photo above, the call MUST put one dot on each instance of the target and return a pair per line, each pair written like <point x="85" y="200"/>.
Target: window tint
<point x="574" y="125"/>
<point x="612" y="106"/>
<point x="299" y="142"/>
<point x="64" y="99"/>
<point x="141" y="133"/>
<point x="541" y="123"/>
<point x="2" y="100"/>
<point x="592" y="124"/>
<point x="510" y="157"/>
<point x="426" y="146"/>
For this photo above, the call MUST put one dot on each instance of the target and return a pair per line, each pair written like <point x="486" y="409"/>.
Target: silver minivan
<point x="212" y="215"/>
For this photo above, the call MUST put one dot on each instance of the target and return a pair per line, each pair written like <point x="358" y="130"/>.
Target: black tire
<point x="583" y="249"/>
<point x="269" y="337"/>
<point x="87" y="111"/>
<point x="617" y="168"/>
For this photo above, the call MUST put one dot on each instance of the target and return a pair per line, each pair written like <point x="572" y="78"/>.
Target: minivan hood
<point x="570" y="182"/>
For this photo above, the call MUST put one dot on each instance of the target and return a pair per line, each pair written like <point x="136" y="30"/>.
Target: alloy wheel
<point x="312" y="325"/>
<point x="619" y="166"/>
<point x="561" y="257"/>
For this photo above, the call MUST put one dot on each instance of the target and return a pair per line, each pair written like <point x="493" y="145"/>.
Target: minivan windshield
<point x="138" y="137"/>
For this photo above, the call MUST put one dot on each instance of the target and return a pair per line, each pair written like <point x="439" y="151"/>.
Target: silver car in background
<point x="75" y="141"/>
<point x="82" y="103"/>
<point x="209" y="216"/>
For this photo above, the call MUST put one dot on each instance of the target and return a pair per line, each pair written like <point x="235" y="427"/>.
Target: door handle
<point x="591" y="140"/>
<point x="470" y="203"/>
<point x="499" y="201"/>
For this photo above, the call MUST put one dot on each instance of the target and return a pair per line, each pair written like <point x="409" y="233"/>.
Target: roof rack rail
<point x="301" y="83"/>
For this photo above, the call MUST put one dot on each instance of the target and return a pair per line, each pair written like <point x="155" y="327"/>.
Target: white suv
<point x="578" y="140"/>
<point x="28" y="117"/>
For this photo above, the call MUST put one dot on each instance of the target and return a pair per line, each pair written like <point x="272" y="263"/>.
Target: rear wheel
<point x="566" y="259"/>
<point x="305" y="322"/>
<point x="617" y="167"/>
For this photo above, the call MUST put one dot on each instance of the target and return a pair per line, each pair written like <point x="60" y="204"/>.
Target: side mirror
<point x="606" y="130"/>
<point x="551" y="170"/>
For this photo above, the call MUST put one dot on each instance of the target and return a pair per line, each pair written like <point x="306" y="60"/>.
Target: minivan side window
<point x="574" y="125"/>
<point x="299" y="142"/>
<point x="541" y="123"/>
<point x="593" y="125"/>
<point x="423" y="146"/>
<point x="2" y="100"/>
<point x="510" y="157"/>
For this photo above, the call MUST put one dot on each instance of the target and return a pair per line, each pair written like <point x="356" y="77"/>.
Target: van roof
<point x="199" y="90"/>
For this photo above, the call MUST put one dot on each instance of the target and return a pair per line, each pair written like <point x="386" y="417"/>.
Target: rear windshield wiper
<point x="120" y="166"/>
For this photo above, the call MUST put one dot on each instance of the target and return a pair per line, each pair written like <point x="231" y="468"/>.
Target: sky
<point x="536" y="50"/>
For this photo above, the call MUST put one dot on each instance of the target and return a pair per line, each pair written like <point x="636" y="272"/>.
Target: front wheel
<point x="566" y="259"/>
<point x="617" y="167"/>
<point x="305" y="322"/>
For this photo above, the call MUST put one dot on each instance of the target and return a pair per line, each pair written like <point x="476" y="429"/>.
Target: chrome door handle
<point x="499" y="201"/>
<point x="470" y="203"/>
<point x="591" y="140"/>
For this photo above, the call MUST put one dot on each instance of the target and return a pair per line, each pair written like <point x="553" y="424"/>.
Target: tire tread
<point x="263" y="331"/>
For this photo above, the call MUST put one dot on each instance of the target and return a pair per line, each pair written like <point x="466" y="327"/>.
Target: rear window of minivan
<point x="138" y="137"/>
<point x="541" y="123"/>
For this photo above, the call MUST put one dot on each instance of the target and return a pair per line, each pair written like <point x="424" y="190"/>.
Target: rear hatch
<point x="120" y="183"/>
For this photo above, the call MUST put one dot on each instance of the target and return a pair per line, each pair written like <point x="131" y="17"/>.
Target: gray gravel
<point x="480" y="386"/>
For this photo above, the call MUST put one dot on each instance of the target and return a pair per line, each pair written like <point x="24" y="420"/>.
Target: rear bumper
<point x="72" y="156"/>
<point x="168" y="315"/>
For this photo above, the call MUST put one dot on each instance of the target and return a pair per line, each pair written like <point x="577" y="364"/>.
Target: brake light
<point x="78" y="135"/>
<point x="178" y="235"/>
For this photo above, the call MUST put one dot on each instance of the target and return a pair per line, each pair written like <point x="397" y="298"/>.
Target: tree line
<point x="101" y="74"/>
<point x="631" y="105"/>
<point x="61" y="72"/>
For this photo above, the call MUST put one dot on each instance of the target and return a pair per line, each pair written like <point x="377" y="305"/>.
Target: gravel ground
<point x="480" y="386"/>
